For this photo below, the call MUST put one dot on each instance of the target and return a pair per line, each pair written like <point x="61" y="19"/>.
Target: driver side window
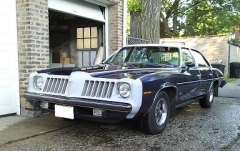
<point x="186" y="57"/>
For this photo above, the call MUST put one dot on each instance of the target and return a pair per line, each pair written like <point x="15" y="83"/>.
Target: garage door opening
<point x="73" y="40"/>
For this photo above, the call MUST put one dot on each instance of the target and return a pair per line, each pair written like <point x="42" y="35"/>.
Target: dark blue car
<point x="140" y="82"/>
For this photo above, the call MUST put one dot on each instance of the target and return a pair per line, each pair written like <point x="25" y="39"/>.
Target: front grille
<point x="98" y="89"/>
<point x="55" y="85"/>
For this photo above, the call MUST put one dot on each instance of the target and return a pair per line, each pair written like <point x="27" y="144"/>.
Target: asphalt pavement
<point x="230" y="90"/>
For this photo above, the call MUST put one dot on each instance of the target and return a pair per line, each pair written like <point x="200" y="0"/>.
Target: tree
<point x="212" y="18"/>
<point x="189" y="17"/>
<point x="145" y="19"/>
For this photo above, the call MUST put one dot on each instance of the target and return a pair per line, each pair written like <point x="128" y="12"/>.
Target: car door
<point x="189" y="88"/>
<point x="206" y="78"/>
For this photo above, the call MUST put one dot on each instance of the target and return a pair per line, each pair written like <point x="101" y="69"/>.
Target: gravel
<point x="193" y="128"/>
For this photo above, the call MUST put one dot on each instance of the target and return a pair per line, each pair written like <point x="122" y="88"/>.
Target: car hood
<point x="111" y="74"/>
<point x="128" y="73"/>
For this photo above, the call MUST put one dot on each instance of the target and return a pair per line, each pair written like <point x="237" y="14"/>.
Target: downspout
<point x="124" y="22"/>
<point x="229" y="49"/>
<point x="106" y="32"/>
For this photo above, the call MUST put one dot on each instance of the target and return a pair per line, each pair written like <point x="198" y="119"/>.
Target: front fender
<point x="148" y="98"/>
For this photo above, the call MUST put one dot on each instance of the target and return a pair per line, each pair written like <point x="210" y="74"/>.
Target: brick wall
<point x="214" y="48"/>
<point x="33" y="45"/>
<point x="115" y="16"/>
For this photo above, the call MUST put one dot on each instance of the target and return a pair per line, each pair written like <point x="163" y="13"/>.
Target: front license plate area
<point x="97" y="112"/>
<point x="64" y="111"/>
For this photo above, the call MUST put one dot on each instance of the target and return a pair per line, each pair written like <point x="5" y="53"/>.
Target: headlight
<point x="124" y="90"/>
<point x="38" y="82"/>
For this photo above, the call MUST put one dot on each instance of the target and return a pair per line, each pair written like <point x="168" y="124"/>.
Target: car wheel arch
<point x="172" y="94"/>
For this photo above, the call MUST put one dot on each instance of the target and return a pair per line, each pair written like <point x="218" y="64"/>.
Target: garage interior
<point x="73" y="40"/>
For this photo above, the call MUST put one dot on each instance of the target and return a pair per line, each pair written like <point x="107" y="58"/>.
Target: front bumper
<point x="79" y="102"/>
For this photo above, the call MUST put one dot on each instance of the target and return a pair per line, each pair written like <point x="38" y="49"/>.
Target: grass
<point x="229" y="80"/>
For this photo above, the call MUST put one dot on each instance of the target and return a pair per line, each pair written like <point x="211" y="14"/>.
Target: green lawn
<point x="229" y="80"/>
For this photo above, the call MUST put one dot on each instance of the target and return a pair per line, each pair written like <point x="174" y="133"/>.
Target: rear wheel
<point x="155" y="121"/>
<point x="207" y="100"/>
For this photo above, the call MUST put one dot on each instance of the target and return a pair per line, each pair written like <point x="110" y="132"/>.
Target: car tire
<point x="207" y="100"/>
<point x="156" y="119"/>
<point x="216" y="90"/>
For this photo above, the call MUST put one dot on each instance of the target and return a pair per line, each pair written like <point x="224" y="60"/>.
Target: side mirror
<point x="189" y="65"/>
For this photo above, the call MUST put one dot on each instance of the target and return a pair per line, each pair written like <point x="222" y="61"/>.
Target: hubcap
<point x="161" y="112"/>
<point x="211" y="95"/>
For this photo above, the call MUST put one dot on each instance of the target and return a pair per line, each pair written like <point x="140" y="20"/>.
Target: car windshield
<point x="146" y="56"/>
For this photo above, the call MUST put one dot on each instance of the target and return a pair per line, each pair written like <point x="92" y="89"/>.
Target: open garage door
<point x="78" y="8"/>
<point x="9" y="87"/>
<point x="76" y="30"/>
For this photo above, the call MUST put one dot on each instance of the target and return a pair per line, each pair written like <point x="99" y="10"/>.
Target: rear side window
<point x="201" y="62"/>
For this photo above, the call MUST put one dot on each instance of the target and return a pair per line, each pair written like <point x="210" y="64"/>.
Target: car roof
<point x="161" y="45"/>
<point x="156" y="45"/>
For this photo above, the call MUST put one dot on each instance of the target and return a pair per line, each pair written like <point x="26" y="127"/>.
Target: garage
<point x="9" y="87"/>
<point x="76" y="32"/>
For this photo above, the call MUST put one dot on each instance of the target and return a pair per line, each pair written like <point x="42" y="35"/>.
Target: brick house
<point x="39" y="34"/>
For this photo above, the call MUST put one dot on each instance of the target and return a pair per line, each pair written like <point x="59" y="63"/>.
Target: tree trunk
<point x="165" y="30"/>
<point x="175" y="15"/>
<point x="146" y="24"/>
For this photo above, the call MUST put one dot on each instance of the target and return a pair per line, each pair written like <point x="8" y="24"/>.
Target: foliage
<point x="235" y="41"/>
<point x="229" y="80"/>
<point x="135" y="6"/>
<point x="128" y="24"/>
<point x="211" y="18"/>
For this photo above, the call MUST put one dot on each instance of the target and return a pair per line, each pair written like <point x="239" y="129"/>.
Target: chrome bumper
<point x="88" y="103"/>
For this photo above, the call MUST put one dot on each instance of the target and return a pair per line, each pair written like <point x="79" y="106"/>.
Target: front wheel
<point x="207" y="100"/>
<point x="155" y="121"/>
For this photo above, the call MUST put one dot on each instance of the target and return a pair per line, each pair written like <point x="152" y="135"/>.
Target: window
<point x="87" y="38"/>
<point x="120" y="57"/>
<point x="186" y="56"/>
<point x="199" y="59"/>
<point x="161" y="55"/>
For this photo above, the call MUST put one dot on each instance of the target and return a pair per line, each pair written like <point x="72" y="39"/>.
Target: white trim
<point x="124" y="22"/>
<point x="76" y="83"/>
<point x="18" y="104"/>
<point x="106" y="32"/>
